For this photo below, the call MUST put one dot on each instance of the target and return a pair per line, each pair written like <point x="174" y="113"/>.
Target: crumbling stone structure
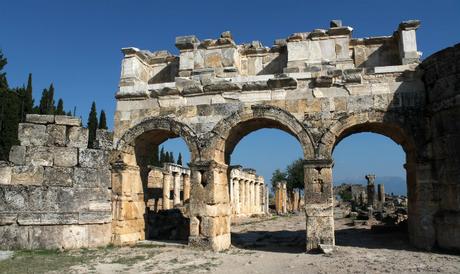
<point x="247" y="192"/>
<point x="371" y="190"/>
<point x="319" y="86"/>
<point x="55" y="191"/>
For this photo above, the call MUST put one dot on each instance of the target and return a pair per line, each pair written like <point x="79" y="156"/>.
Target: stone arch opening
<point x="148" y="196"/>
<point x="399" y="135"/>
<point x="232" y="129"/>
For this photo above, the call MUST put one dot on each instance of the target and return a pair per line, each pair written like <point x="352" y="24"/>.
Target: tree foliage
<point x="92" y="125"/>
<point x="179" y="159"/>
<point x="103" y="120"/>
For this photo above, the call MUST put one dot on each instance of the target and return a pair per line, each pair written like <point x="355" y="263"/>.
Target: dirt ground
<point x="274" y="245"/>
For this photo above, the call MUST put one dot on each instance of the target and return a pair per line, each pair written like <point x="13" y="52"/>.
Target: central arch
<point x="229" y="131"/>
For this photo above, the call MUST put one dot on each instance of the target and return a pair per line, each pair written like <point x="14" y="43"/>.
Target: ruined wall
<point x="442" y="80"/>
<point x="55" y="191"/>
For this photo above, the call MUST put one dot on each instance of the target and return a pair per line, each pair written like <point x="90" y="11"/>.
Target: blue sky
<point x="76" y="44"/>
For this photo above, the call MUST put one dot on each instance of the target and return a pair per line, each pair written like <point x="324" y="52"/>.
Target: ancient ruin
<point x="247" y="192"/>
<point x="319" y="86"/>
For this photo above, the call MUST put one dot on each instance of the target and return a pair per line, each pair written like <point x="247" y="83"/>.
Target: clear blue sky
<point x="76" y="44"/>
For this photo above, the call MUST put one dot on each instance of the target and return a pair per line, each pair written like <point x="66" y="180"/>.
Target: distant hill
<point x="394" y="184"/>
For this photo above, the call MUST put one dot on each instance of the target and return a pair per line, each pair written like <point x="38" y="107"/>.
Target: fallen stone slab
<point x="326" y="249"/>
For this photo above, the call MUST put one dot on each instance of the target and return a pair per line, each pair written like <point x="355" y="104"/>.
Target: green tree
<point x="3" y="81"/>
<point x="171" y="158"/>
<point x="162" y="156"/>
<point x="92" y="125"/>
<point x="50" y="100"/>
<point x="295" y="175"/>
<point x="69" y="113"/>
<point x="155" y="159"/>
<point x="29" y="99"/>
<point x="60" y="107"/>
<point x="103" y="121"/>
<point x="278" y="176"/>
<point x="179" y="159"/>
<point x="43" y="106"/>
<point x="9" y="113"/>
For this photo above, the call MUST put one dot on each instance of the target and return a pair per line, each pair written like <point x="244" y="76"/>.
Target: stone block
<point x="5" y="173"/>
<point x="8" y="218"/>
<point x="86" y="177"/>
<point x="51" y="218"/>
<point x="27" y="175"/>
<point x="32" y="134"/>
<point x="65" y="156"/>
<point x="56" y="135"/>
<point x="104" y="139"/>
<point x="39" y="119"/>
<point x="95" y="217"/>
<point x="93" y="158"/>
<point x="77" y="137"/>
<point x="39" y="156"/>
<point x="18" y="155"/>
<point x="58" y="176"/>
<point x="67" y="120"/>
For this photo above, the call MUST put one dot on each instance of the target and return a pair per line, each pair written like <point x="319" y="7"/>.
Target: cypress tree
<point x="9" y="113"/>
<point x="50" y="100"/>
<point x="60" y="108"/>
<point x="171" y="158"/>
<point x="29" y="99"/>
<point x="155" y="159"/>
<point x="162" y="156"/>
<point x="179" y="159"/>
<point x="43" y="108"/>
<point x="92" y="125"/>
<point x="69" y="113"/>
<point x="103" y="123"/>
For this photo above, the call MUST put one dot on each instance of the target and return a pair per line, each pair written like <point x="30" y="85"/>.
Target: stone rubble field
<point x="272" y="245"/>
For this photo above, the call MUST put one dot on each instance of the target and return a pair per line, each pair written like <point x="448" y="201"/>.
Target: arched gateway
<point x="318" y="86"/>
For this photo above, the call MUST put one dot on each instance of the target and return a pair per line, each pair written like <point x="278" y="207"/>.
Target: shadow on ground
<point x="294" y="241"/>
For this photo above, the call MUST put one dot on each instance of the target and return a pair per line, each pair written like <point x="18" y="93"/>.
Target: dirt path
<point x="259" y="246"/>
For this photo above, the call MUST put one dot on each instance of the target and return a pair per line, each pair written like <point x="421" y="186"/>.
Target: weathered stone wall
<point x="55" y="191"/>
<point x="442" y="79"/>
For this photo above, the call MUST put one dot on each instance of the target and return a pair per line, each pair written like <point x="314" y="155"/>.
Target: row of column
<point x="178" y="179"/>
<point x="248" y="197"/>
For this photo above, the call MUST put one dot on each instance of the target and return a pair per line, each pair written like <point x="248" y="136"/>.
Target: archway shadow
<point x="366" y="238"/>
<point x="284" y="241"/>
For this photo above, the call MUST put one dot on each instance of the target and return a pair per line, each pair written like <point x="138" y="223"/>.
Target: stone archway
<point x="130" y="173"/>
<point x="210" y="207"/>
<point x="421" y="208"/>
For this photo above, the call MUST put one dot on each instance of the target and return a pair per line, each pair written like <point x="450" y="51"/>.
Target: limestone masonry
<point x="319" y="86"/>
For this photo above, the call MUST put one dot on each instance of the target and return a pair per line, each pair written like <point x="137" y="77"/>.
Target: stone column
<point x="267" y="200"/>
<point x="236" y="193"/>
<point x="176" y="195"/>
<point x="370" y="190"/>
<point x="186" y="188"/>
<point x="167" y="178"/>
<point x="251" y="202"/>
<point x="230" y="186"/>
<point x="319" y="203"/>
<point x="247" y="197"/>
<point x="256" y="197"/>
<point x="284" y="197"/>
<point x="407" y="42"/>
<point x="278" y="198"/>
<point x="381" y="194"/>
<point x="242" y="196"/>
